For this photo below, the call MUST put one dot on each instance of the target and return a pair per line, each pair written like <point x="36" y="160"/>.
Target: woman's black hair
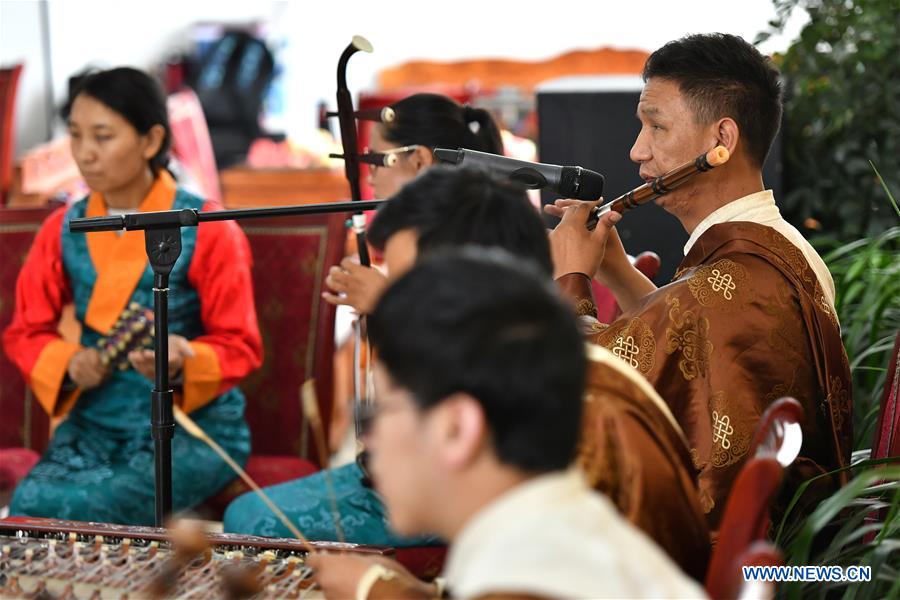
<point x="134" y="95"/>
<point x="437" y="121"/>
<point x="454" y="206"/>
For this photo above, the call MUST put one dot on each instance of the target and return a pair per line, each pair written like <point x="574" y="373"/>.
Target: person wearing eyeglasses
<point x="446" y="200"/>
<point x="403" y="146"/>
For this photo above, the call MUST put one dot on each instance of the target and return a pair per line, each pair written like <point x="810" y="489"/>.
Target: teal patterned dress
<point x="307" y="503"/>
<point x="99" y="465"/>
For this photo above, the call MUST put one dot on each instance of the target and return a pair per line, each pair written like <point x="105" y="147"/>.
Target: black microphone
<point x="569" y="182"/>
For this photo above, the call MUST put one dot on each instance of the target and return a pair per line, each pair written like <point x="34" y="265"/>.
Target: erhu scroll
<point x="661" y="185"/>
<point x="347" y="119"/>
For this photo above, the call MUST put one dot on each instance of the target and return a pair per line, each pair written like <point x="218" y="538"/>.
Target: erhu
<point x="347" y="117"/>
<point x="347" y="122"/>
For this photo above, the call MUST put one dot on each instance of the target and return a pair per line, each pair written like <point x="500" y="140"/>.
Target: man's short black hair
<point x="724" y="76"/>
<point x="480" y="322"/>
<point x="450" y="206"/>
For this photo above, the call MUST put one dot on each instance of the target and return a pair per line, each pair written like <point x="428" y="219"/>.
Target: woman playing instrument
<point x="421" y="123"/>
<point x="99" y="464"/>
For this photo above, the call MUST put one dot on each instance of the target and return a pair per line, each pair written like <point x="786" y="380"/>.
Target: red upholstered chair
<point x="648" y="263"/>
<point x="886" y="442"/>
<point x="14" y="465"/>
<point x="608" y="310"/>
<point x="23" y="423"/>
<point x="291" y="257"/>
<point x="9" y="85"/>
<point x="746" y="519"/>
<point x="760" y="554"/>
<point x="425" y="562"/>
<point x="887" y="432"/>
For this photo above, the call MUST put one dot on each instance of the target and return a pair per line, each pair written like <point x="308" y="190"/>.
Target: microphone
<point x="570" y="182"/>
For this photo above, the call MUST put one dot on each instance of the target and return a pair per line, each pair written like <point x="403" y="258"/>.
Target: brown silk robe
<point x="743" y="323"/>
<point x="634" y="452"/>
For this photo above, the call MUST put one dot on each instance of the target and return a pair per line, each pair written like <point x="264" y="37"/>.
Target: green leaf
<point x="885" y="188"/>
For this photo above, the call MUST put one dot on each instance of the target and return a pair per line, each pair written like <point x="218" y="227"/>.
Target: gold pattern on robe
<point x="791" y="255"/>
<point x="837" y="402"/>
<point x="604" y="468"/>
<point x="825" y="306"/>
<point x="585" y="306"/>
<point x="845" y="362"/>
<point x="730" y="438"/>
<point x="706" y="501"/>
<point x="699" y="463"/>
<point x="633" y="451"/>
<point x="722" y="285"/>
<point x="681" y="272"/>
<point x="771" y="339"/>
<point x="780" y="390"/>
<point x="634" y="344"/>
<point x="596" y="327"/>
<point x="788" y="335"/>
<point x="691" y="337"/>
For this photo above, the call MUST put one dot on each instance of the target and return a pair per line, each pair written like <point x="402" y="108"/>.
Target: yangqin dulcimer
<point x="51" y="558"/>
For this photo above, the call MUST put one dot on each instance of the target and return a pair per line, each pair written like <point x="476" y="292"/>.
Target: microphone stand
<point x="162" y="241"/>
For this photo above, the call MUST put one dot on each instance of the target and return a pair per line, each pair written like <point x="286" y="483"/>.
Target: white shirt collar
<point x="515" y="544"/>
<point x="538" y="492"/>
<point x="758" y="207"/>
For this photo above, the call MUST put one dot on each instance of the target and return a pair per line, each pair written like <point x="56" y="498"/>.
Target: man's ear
<point x="463" y="431"/>
<point x="728" y="134"/>
<point x="421" y="158"/>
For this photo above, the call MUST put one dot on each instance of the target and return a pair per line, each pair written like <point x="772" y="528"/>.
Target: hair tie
<point x="471" y="120"/>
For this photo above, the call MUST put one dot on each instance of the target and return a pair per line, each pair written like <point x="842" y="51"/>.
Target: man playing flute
<point x="749" y="316"/>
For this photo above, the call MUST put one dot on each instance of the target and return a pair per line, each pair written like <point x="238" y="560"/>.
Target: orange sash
<point x="120" y="260"/>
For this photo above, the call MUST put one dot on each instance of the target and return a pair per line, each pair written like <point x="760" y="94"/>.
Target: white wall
<point x="102" y="33"/>
<point x="114" y="32"/>
<point x="20" y="41"/>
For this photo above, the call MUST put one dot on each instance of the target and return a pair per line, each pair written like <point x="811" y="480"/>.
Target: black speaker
<point x="591" y="122"/>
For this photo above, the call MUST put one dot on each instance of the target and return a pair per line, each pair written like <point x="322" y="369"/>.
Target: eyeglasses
<point x="385" y="158"/>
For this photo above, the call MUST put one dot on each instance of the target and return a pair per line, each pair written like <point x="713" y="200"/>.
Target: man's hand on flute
<point x="574" y="248"/>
